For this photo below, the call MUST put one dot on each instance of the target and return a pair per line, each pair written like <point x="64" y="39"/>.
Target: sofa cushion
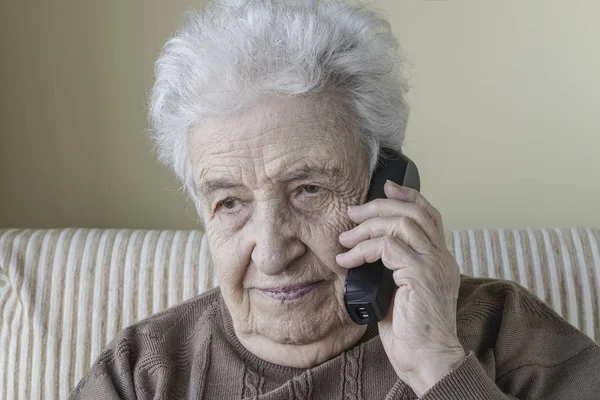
<point x="65" y="293"/>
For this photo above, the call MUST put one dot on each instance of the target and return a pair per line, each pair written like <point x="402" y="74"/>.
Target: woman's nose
<point x="277" y="244"/>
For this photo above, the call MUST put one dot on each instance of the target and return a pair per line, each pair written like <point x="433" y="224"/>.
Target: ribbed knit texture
<point x="517" y="348"/>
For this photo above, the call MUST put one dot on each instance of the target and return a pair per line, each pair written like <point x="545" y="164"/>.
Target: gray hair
<point x="233" y="51"/>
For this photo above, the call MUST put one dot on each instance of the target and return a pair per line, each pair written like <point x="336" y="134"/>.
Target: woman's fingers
<point x="401" y="202"/>
<point x="393" y="190"/>
<point x="401" y="227"/>
<point x="393" y="252"/>
<point x="412" y="200"/>
<point x="418" y="234"/>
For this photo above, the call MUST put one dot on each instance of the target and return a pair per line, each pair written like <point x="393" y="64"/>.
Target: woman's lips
<point x="289" y="292"/>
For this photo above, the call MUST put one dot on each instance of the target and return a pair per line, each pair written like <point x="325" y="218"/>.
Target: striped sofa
<point x="64" y="294"/>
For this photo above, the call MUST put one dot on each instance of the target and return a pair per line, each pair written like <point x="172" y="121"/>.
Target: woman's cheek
<point x="336" y="217"/>
<point x="316" y="209"/>
<point x="228" y="223"/>
<point x="226" y="232"/>
<point x="230" y="265"/>
<point x="231" y="280"/>
<point x="324" y="226"/>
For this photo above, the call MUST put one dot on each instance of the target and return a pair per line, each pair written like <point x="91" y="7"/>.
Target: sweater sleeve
<point x="577" y="378"/>
<point x="468" y="381"/>
<point x="517" y="348"/>
<point x="536" y="353"/>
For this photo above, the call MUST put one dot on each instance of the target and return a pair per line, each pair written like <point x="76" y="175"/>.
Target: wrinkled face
<point x="274" y="185"/>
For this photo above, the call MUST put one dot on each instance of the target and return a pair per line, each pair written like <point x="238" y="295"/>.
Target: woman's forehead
<point x="315" y="164"/>
<point x="274" y="120"/>
<point x="270" y="139"/>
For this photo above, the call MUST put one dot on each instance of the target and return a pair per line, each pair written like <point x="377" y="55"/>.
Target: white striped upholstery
<point x="64" y="294"/>
<point x="561" y="266"/>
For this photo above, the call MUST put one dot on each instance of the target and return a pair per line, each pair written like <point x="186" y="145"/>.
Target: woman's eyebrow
<point x="211" y="185"/>
<point x="306" y="172"/>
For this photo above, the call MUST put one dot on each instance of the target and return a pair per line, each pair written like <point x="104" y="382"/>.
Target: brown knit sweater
<point x="518" y="348"/>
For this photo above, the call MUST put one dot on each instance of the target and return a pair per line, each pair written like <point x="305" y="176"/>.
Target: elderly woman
<point x="273" y="113"/>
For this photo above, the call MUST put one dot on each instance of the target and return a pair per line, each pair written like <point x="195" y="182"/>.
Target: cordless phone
<point x="368" y="289"/>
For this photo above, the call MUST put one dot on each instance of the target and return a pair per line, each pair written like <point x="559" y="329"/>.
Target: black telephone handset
<point x="369" y="288"/>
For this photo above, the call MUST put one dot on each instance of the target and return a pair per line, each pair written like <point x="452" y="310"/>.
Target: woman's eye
<point x="311" y="189"/>
<point x="229" y="203"/>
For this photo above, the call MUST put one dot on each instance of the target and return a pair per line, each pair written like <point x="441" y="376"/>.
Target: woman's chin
<point x="294" y="317"/>
<point x="302" y="340"/>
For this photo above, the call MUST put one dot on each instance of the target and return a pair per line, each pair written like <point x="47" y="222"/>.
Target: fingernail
<point x="393" y="183"/>
<point x="350" y="208"/>
<point x="339" y="257"/>
<point x="343" y="234"/>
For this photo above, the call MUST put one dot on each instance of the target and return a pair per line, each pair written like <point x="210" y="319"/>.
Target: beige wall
<point x="505" y="99"/>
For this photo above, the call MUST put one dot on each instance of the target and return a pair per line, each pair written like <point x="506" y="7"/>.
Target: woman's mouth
<point x="286" y="293"/>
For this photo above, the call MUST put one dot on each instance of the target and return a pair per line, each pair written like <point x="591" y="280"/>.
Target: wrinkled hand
<point x="407" y="234"/>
